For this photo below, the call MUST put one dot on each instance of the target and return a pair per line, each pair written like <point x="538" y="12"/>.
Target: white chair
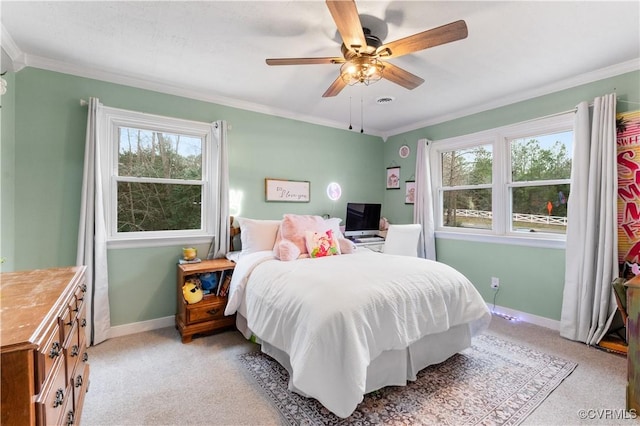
<point x="402" y="240"/>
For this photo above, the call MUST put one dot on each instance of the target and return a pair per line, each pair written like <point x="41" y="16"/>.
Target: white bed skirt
<point x="395" y="367"/>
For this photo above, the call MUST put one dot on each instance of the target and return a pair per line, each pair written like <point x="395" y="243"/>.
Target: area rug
<point x="495" y="382"/>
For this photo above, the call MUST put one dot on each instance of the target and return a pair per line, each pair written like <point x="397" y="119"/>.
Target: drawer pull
<point x="75" y="309"/>
<point x="75" y="350"/>
<point x="83" y="323"/>
<point x="55" y="350"/>
<point x="70" y="323"/>
<point x="70" y="418"/>
<point x="78" y="381"/>
<point x="59" y="398"/>
<point x="213" y="311"/>
<point x="85" y="357"/>
<point x="83" y="288"/>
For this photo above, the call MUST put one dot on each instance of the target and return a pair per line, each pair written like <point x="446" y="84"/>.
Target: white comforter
<point x="333" y="315"/>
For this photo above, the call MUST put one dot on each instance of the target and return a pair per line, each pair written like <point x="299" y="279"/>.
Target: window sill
<point x="504" y="239"/>
<point x="158" y="242"/>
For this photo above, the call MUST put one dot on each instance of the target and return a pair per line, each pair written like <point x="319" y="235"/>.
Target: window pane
<point x="540" y="208"/>
<point x="469" y="208"/>
<point x="154" y="154"/>
<point x="541" y="157"/>
<point x="158" y="207"/>
<point x="470" y="166"/>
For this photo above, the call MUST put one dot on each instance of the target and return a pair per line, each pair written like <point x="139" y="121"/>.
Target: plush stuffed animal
<point x="191" y="292"/>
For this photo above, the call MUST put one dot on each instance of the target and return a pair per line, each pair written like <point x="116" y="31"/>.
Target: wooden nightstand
<point x="206" y="316"/>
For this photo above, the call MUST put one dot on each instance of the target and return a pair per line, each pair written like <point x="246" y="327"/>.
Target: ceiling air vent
<point x="385" y="100"/>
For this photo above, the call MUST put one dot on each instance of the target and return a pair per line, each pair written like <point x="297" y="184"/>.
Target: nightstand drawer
<point x="206" y="311"/>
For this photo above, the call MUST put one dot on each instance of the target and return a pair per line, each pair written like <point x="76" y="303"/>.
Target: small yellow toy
<point x="192" y="292"/>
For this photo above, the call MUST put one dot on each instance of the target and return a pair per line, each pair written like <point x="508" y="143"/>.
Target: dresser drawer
<point x="80" y="385"/>
<point x="80" y="293"/>
<point x="48" y="354"/>
<point x="54" y="399"/>
<point x="72" y="350"/>
<point x="206" y="310"/>
<point x="67" y="320"/>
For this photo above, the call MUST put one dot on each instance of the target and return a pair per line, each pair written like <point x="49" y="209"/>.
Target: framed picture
<point x="404" y="151"/>
<point x="291" y="191"/>
<point x="393" y="177"/>
<point x="410" y="192"/>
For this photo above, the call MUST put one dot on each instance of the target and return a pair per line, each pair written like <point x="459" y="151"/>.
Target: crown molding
<point x="170" y="89"/>
<point x="18" y="58"/>
<point x="590" y="77"/>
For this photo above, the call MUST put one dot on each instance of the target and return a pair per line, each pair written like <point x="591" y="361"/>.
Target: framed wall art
<point x="404" y="151"/>
<point x="291" y="191"/>
<point x="410" y="192"/>
<point x="393" y="177"/>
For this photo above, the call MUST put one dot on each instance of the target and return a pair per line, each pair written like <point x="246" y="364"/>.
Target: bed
<point x="345" y="325"/>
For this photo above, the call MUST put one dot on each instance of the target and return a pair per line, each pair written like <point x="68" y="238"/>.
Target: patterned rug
<point x="495" y="382"/>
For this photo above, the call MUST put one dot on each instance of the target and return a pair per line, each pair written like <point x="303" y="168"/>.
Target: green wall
<point x="50" y="127"/>
<point x="531" y="279"/>
<point x="7" y="173"/>
<point x="43" y="131"/>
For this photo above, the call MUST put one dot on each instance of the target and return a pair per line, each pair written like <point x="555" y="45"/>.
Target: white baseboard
<point x="526" y="317"/>
<point x="138" y="327"/>
<point x="154" y="324"/>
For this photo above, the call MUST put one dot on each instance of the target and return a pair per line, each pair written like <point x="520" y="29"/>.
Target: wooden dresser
<point x="45" y="373"/>
<point x="633" y="339"/>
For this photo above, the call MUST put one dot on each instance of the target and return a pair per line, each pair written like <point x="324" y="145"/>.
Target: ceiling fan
<point x="364" y="56"/>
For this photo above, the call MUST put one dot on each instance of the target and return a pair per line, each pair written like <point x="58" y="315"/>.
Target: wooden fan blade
<point x="399" y="76"/>
<point x="345" y="15"/>
<point x="424" y="40"/>
<point x="304" y="61"/>
<point x="335" y="88"/>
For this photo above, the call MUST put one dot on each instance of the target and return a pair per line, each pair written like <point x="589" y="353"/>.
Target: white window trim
<point x="498" y="138"/>
<point x="115" y="118"/>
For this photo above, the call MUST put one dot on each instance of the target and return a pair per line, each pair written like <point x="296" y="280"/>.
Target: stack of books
<point x="182" y="260"/>
<point x="223" y="284"/>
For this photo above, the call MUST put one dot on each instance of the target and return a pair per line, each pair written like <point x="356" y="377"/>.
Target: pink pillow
<point x="286" y="250"/>
<point x="295" y="226"/>
<point x="321" y="244"/>
<point x="346" y="246"/>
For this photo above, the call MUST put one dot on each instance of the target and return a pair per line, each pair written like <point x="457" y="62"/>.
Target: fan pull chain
<point x="361" y="115"/>
<point x="350" y="113"/>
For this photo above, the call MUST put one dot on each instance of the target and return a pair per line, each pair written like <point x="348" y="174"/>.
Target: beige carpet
<point x="495" y="382"/>
<point x="152" y="378"/>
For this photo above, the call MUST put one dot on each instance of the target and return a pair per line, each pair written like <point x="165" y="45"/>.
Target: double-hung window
<point x="511" y="183"/>
<point x="161" y="176"/>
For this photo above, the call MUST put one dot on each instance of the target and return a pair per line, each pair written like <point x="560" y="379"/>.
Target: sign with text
<point x="294" y="191"/>
<point x="628" y="153"/>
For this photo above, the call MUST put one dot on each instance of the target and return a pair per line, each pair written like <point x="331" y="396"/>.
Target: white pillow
<point x="333" y="223"/>
<point x="257" y="234"/>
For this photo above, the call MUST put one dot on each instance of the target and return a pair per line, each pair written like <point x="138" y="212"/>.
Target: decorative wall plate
<point x="404" y="151"/>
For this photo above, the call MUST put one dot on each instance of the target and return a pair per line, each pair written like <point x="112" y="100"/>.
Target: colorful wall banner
<point x="628" y="153"/>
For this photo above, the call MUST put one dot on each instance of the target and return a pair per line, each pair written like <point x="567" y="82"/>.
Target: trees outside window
<point x="507" y="181"/>
<point x="162" y="176"/>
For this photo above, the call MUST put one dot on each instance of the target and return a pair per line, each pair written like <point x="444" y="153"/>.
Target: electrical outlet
<point x="495" y="283"/>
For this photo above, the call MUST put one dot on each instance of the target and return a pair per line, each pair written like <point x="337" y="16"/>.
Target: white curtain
<point x="423" y="207"/>
<point x="588" y="304"/>
<point x="221" y="241"/>
<point x="92" y="232"/>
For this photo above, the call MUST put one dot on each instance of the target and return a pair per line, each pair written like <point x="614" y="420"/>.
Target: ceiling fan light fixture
<point x="361" y="69"/>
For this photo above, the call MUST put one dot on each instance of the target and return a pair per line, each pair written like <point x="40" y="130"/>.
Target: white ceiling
<point x="216" y="51"/>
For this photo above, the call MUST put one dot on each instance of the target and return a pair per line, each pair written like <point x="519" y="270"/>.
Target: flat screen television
<point x="362" y="219"/>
